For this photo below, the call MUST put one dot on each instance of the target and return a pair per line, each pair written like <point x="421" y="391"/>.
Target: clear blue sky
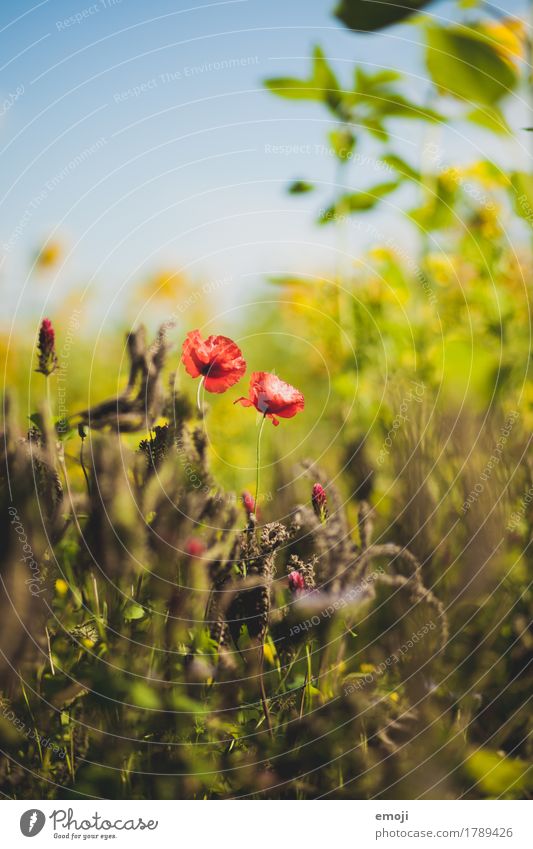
<point x="174" y="164"/>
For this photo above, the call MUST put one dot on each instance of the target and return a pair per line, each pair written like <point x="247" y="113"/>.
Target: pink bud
<point x="46" y="348"/>
<point x="249" y="504"/>
<point x="296" y="581"/>
<point x="320" y="502"/>
<point x="194" y="547"/>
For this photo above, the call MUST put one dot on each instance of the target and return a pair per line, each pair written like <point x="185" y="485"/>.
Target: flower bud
<point x="249" y="504"/>
<point x="296" y="581"/>
<point x="194" y="547"/>
<point x="47" y="348"/>
<point x="320" y="502"/>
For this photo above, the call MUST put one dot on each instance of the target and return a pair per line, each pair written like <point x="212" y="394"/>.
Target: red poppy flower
<point x="217" y="359"/>
<point x="272" y="397"/>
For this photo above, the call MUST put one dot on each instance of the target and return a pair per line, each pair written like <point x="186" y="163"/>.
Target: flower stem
<point x="48" y="405"/>
<point x="82" y="462"/>
<point x="258" y="462"/>
<point x="264" y="701"/>
<point x="198" y="394"/>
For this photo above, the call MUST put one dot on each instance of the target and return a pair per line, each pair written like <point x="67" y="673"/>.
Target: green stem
<point x="258" y="462"/>
<point x="86" y="476"/>
<point x="309" y="677"/>
<point x="342" y="211"/>
<point x="264" y="700"/>
<point x="50" y="422"/>
<point x="198" y="394"/>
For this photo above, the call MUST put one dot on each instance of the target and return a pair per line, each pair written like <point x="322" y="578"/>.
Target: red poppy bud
<point x="296" y="581"/>
<point x="47" y="348"/>
<point x="319" y="500"/>
<point x="249" y="504"/>
<point x="194" y="547"/>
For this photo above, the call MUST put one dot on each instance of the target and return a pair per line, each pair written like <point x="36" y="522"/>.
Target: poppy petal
<point x="221" y="383"/>
<point x="189" y="357"/>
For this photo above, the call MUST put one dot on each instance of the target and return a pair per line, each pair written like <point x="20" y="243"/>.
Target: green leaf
<point x="522" y="194"/>
<point x="367" y="16"/>
<point x="491" y="118"/>
<point x="143" y="696"/>
<point x="284" y="280"/>
<point x="323" y="85"/>
<point x="300" y="187"/>
<point x="376" y="128"/>
<point x="370" y="82"/>
<point x="397" y="106"/>
<point x="343" y="143"/>
<point x="400" y="165"/>
<point x="325" y="80"/>
<point x="357" y="202"/>
<point x="463" y="63"/>
<point x="293" y="88"/>
<point x="133" y="611"/>
<point x="37" y="420"/>
<point x="437" y="211"/>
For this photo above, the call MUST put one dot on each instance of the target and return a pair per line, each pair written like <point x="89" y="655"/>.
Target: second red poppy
<point x="273" y="397"/>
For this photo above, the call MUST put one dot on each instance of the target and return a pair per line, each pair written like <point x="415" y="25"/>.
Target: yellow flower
<point x="487" y="174"/>
<point x="440" y="267"/>
<point x="268" y="654"/>
<point x="48" y="255"/>
<point x="165" y="285"/>
<point x="381" y="253"/>
<point x="61" y="587"/>
<point x="487" y="220"/>
<point x="451" y="177"/>
<point x="507" y="38"/>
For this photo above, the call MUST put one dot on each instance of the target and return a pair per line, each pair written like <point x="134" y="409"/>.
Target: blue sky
<point x="141" y="135"/>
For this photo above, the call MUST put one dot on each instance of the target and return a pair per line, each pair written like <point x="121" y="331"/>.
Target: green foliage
<point x="500" y="776"/>
<point x="365" y="16"/>
<point x="342" y="142"/>
<point x="300" y="187"/>
<point x="363" y="109"/>
<point x="357" y="202"/>
<point x="321" y="86"/>
<point x="464" y="62"/>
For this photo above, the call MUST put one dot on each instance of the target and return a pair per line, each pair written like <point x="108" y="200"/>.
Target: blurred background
<point x="153" y="175"/>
